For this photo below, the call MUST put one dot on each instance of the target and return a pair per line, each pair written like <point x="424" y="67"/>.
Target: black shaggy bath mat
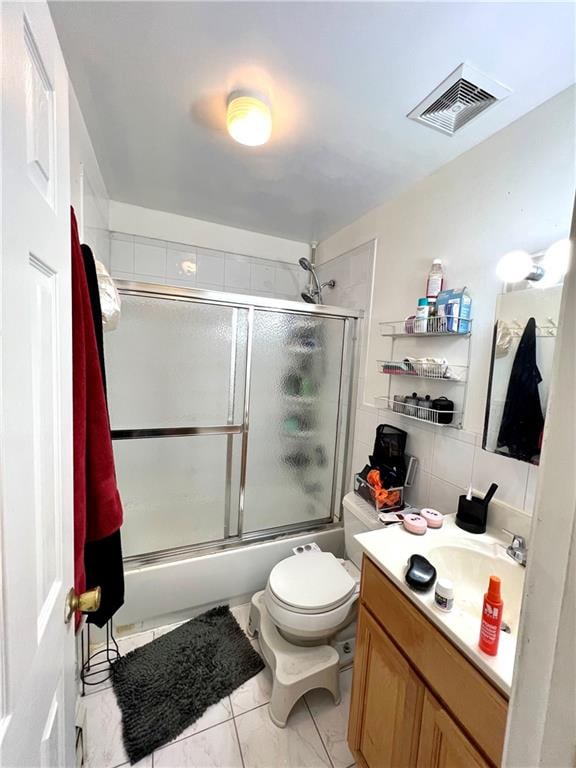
<point x="166" y="685"/>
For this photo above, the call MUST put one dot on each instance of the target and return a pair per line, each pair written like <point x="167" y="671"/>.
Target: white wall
<point x="88" y="191"/>
<point x="134" y="220"/>
<point x="514" y="190"/>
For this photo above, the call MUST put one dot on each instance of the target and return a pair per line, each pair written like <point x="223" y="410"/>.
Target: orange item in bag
<point x="373" y="479"/>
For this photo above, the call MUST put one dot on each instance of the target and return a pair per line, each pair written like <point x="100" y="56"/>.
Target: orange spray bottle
<point x="491" y="618"/>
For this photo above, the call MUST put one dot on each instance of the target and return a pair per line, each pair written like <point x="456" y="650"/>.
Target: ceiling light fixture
<point x="514" y="266"/>
<point x="544" y="269"/>
<point x="556" y="263"/>
<point x="248" y="118"/>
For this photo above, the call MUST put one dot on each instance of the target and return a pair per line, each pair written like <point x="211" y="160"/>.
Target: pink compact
<point x="432" y="517"/>
<point x="415" y="524"/>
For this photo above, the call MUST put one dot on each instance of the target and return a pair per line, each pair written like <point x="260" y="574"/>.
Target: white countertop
<point x="389" y="548"/>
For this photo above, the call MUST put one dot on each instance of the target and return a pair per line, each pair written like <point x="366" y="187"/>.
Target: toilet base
<point x="296" y="669"/>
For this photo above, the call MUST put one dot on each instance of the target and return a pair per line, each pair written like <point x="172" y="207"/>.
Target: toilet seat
<point x="310" y="597"/>
<point x="312" y="583"/>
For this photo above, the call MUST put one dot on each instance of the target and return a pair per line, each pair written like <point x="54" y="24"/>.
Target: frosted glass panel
<point x="169" y="364"/>
<point x="295" y="385"/>
<point x="173" y="490"/>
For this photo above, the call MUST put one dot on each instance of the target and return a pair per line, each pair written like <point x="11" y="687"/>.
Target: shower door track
<point x="347" y="395"/>
<point x="133" y="562"/>
<point x="155" y="290"/>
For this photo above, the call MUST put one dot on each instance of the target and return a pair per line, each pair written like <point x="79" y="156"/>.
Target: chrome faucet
<point x="517" y="549"/>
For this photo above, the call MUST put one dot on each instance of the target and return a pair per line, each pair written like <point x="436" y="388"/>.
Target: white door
<point x="37" y="693"/>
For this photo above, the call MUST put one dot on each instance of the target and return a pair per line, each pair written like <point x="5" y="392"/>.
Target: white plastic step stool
<point x="295" y="669"/>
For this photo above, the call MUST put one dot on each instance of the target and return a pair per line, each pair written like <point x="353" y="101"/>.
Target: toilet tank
<point x="359" y="517"/>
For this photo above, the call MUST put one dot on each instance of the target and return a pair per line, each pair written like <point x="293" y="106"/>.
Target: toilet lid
<point x="312" y="581"/>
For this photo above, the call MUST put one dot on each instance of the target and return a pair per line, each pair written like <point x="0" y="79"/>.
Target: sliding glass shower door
<point x="228" y="418"/>
<point x="296" y="372"/>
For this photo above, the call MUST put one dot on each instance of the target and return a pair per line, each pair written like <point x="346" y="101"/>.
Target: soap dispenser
<point x="473" y="512"/>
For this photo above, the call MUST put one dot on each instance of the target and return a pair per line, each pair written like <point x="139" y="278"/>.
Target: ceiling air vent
<point x="464" y="95"/>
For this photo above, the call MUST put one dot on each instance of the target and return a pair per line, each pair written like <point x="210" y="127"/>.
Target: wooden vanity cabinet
<point x="417" y="702"/>
<point x="386" y="723"/>
<point x="442" y="743"/>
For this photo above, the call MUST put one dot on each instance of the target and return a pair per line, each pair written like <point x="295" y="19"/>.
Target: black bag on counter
<point x="388" y="455"/>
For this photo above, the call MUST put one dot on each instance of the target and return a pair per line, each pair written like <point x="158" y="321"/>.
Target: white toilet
<point x="311" y="596"/>
<point x="305" y="618"/>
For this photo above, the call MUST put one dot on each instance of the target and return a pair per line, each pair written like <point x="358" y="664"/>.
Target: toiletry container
<point x="424" y="406"/>
<point x="444" y="595"/>
<point x="491" y="618"/>
<point x="435" y="283"/>
<point x="399" y="404"/>
<point x="421" y="319"/>
<point x="411" y="407"/>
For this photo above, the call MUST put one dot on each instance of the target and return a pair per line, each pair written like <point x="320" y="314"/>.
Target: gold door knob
<point x="86" y="602"/>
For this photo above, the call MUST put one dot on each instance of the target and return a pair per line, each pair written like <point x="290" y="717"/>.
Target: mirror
<point x="521" y="368"/>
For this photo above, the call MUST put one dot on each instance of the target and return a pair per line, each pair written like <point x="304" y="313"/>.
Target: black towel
<point x="103" y="558"/>
<point x="522" y="420"/>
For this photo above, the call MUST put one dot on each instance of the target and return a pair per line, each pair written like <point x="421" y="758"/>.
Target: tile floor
<point x="235" y="733"/>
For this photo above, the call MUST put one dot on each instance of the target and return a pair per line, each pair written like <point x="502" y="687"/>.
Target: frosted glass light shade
<point x="514" y="266"/>
<point x="556" y="263"/>
<point x="249" y="120"/>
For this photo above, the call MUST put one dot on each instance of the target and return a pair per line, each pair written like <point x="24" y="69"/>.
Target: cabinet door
<point x="442" y="743"/>
<point x="386" y="704"/>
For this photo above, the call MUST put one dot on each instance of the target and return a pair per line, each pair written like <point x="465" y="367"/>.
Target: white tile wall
<point x="443" y="496"/>
<point x="146" y="260"/>
<point x="150" y="259"/>
<point x="263" y="277"/>
<point x="121" y="254"/>
<point x="181" y="266"/>
<point x="452" y="460"/>
<point x="531" y="489"/>
<point x="510" y="474"/>
<point x="237" y="273"/>
<point x="449" y="462"/>
<point x="289" y="280"/>
<point x="210" y="267"/>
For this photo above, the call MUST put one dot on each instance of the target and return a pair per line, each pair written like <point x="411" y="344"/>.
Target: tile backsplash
<point x="449" y="462"/>
<point x="159" y="261"/>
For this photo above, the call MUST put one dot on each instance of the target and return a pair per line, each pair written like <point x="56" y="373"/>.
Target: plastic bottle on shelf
<point x="421" y="319"/>
<point x="434" y="285"/>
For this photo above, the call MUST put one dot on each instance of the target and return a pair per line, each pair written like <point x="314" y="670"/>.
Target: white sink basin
<point x="470" y="569"/>
<point x="468" y="560"/>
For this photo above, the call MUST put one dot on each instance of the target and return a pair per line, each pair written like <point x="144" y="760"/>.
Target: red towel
<point x="97" y="505"/>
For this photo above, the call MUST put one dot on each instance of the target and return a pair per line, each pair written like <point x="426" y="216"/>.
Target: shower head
<point x="305" y="264"/>
<point x="308" y="298"/>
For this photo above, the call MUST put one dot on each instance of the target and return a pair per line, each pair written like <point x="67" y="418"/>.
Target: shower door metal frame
<point x="344" y="423"/>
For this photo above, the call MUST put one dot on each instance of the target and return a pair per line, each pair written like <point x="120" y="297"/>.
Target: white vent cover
<point x="464" y="95"/>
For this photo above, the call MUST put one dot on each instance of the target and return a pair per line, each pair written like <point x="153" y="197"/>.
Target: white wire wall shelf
<point x="443" y="418"/>
<point x="428" y="368"/>
<point x="451" y="326"/>
<point x="422" y="365"/>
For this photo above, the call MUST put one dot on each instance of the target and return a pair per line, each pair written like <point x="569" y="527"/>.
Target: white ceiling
<point x="152" y="80"/>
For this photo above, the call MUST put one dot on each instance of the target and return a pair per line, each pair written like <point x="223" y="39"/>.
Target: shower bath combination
<point x="313" y="295"/>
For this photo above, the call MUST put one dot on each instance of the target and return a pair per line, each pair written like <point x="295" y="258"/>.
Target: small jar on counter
<point x="444" y="595"/>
